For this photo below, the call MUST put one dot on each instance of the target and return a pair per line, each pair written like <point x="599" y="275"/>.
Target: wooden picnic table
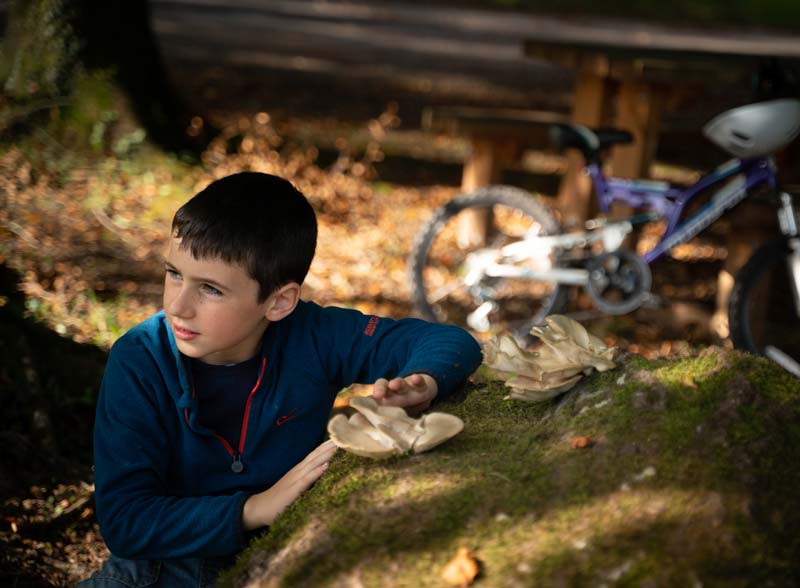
<point x="625" y="72"/>
<point x="624" y="75"/>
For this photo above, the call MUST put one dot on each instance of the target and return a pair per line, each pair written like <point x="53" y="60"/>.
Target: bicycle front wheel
<point x="762" y="313"/>
<point x="448" y="281"/>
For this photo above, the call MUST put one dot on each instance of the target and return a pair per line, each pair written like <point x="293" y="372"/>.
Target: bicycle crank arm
<point x="572" y="277"/>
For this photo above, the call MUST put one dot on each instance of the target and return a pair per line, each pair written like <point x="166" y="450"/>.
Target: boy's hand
<point x="413" y="393"/>
<point x="263" y="508"/>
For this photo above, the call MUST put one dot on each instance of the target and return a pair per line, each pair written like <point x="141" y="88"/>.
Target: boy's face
<point x="212" y="307"/>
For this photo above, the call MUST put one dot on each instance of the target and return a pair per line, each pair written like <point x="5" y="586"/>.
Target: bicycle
<point x="519" y="269"/>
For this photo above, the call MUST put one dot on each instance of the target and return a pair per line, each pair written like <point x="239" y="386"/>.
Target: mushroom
<point x="437" y="427"/>
<point x="358" y="436"/>
<point x="382" y="431"/>
<point x="568" y="352"/>
<point x="569" y="339"/>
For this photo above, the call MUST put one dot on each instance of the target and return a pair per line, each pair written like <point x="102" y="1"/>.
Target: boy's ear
<point x="282" y="302"/>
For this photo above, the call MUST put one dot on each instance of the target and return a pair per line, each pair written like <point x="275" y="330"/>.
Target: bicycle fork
<point x="787" y="219"/>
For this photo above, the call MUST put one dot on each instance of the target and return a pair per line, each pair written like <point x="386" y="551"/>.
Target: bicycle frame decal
<point x="724" y="199"/>
<point x="754" y="174"/>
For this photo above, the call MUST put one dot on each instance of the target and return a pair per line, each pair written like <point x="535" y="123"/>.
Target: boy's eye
<point x="211" y="290"/>
<point x="172" y="273"/>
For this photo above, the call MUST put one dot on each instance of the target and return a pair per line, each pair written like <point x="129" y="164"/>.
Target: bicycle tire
<point x="761" y="309"/>
<point x="513" y="201"/>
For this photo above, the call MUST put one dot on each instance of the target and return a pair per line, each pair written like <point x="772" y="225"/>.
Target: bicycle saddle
<point x="588" y="141"/>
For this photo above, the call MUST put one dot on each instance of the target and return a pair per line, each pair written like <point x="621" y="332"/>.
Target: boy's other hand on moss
<point x="263" y="508"/>
<point x="414" y="393"/>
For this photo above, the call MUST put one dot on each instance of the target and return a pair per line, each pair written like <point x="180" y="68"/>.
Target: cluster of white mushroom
<point x="568" y="352"/>
<point x="382" y="431"/>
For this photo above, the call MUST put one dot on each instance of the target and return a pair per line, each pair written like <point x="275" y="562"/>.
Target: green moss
<point x="683" y="485"/>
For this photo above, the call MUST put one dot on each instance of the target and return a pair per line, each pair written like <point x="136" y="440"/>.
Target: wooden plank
<point x="497" y="138"/>
<point x="530" y="126"/>
<point x="699" y="47"/>
<point x="637" y="109"/>
<point x="483" y="167"/>
<point x="575" y="193"/>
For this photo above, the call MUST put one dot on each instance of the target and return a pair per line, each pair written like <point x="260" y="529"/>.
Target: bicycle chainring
<point x="618" y="281"/>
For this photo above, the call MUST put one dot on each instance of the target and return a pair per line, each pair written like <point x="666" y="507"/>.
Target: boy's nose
<point x="180" y="303"/>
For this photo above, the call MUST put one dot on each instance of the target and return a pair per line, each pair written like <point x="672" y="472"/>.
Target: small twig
<point x="76" y="505"/>
<point x="21" y="112"/>
<point x="20" y="231"/>
<point x="106" y="221"/>
<point x="63" y="519"/>
<point x="499" y="475"/>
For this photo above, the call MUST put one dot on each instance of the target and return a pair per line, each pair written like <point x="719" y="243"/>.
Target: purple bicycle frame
<point x="670" y="201"/>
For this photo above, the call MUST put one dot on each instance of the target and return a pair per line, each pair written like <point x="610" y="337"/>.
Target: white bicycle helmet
<point x="756" y="129"/>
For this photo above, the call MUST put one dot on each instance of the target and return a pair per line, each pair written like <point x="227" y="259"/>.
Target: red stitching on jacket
<point x="371" y="326"/>
<point x="282" y="420"/>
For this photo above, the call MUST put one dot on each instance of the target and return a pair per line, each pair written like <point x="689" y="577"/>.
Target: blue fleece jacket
<point x="165" y="486"/>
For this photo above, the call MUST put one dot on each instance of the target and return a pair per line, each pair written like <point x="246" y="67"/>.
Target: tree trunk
<point x="39" y="51"/>
<point x="49" y="41"/>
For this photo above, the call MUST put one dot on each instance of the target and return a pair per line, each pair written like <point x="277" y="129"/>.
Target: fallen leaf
<point x="581" y="442"/>
<point x="462" y="569"/>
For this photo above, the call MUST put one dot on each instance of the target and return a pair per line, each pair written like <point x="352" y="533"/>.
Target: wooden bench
<point x="497" y="137"/>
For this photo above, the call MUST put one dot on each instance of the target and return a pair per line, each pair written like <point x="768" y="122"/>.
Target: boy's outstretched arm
<point x="414" y="393"/>
<point x="263" y="508"/>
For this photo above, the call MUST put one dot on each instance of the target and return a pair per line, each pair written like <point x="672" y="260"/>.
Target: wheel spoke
<point x="444" y="291"/>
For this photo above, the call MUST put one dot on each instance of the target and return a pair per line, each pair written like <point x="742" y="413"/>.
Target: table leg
<point x="638" y="110"/>
<point x="483" y="167"/>
<point x="575" y="192"/>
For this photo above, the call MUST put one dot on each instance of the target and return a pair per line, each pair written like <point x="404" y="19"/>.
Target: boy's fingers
<point x="313" y="474"/>
<point x="321" y="449"/>
<point x="380" y="388"/>
<point x="397" y="384"/>
<point x="416" y="380"/>
<point x="304" y="481"/>
<point x="307" y="472"/>
<point x="323" y="453"/>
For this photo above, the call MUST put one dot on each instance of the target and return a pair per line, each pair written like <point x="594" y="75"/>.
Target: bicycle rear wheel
<point x="762" y="312"/>
<point x="448" y="249"/>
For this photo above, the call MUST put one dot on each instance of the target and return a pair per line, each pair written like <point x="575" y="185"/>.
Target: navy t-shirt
<point x="222" y="392"/>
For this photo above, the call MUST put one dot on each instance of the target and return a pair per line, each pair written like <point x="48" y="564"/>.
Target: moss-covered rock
<point x="691" y="478"/>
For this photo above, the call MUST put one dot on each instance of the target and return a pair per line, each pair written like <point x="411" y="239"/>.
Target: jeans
<point x="167" y="573"/>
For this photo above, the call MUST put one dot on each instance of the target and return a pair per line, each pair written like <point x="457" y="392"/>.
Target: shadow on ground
<point x="48" y="389"/>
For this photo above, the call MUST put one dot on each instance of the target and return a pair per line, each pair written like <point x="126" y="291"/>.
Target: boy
<point x="212" y="413"/>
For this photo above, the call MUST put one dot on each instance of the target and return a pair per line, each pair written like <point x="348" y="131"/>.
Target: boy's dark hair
<point x="259" y="221"/>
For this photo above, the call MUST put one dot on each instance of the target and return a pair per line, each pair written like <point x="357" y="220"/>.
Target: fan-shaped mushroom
<point x="568" y="351"/>
<point x="381" y="431"/>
